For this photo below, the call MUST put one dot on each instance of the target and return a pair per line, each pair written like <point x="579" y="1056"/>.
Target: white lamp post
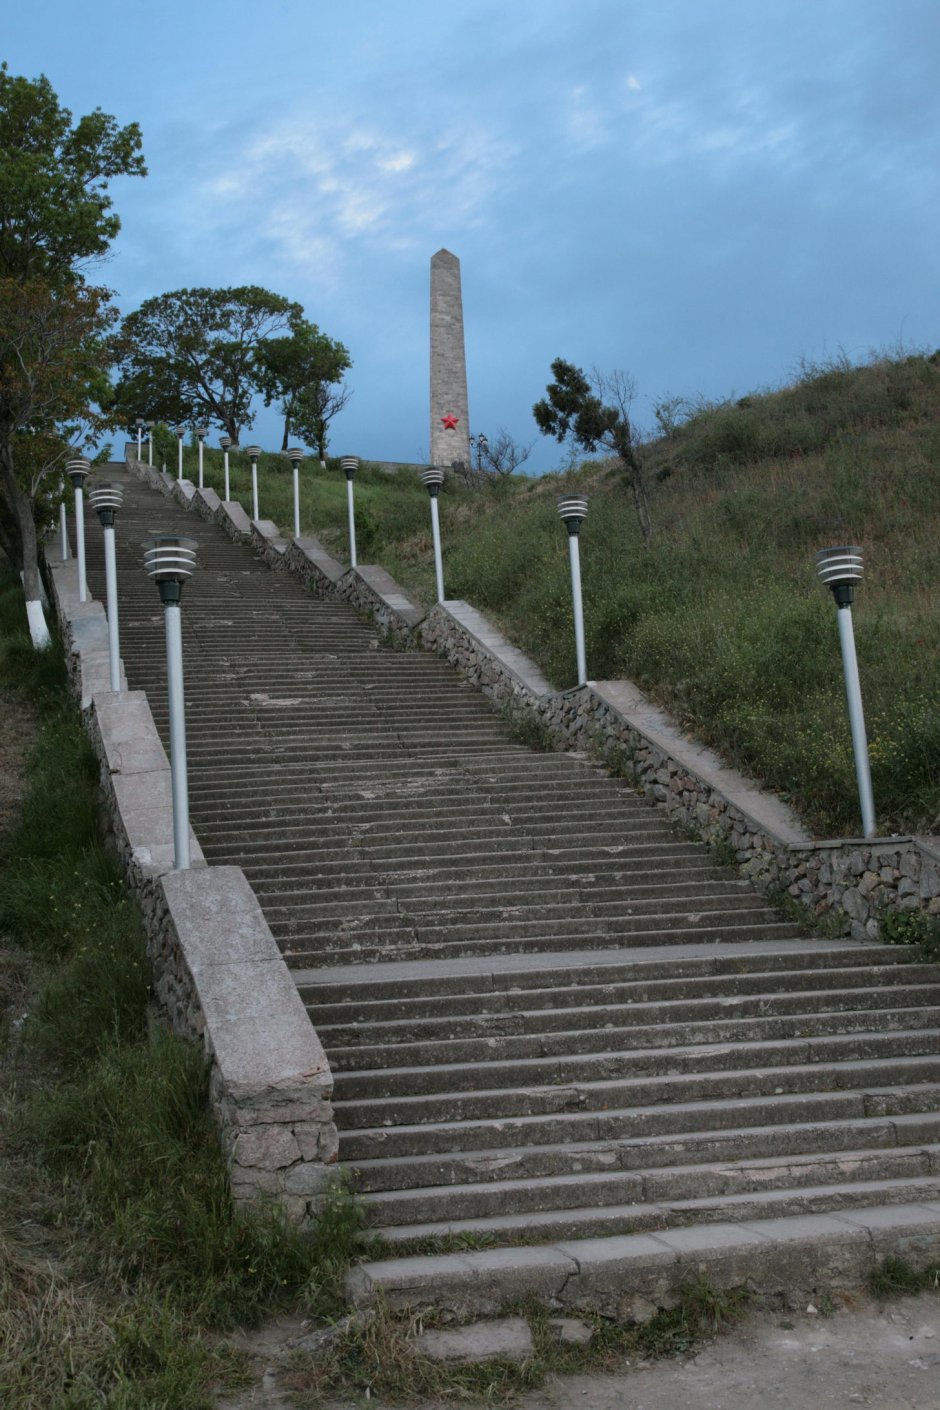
<point x="170" y="560"/>
<point x="63" y="528"/>
<point x="349" y="465"/>
<point x="432" y="478"/>
<point x="840" y="569"/>
<point x="573" y="511"/>
<point x="201" y="432"/>
<point x="253" y="452"/>
<point x="106" y="500"/>
<point x="150" y="426"/>
<point x="78" y="471"/>
<point x="225" y="442"/>
<point x="139" y="423"/>
<point x="180" y="433"/>
<point x="295" y="455"/>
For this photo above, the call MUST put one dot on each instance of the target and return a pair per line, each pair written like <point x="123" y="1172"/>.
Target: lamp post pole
<point x="201" y="432"/>
<point x="150" y="426"/>
<point x="349" y="465"/>
<point x="170" y="560"/>
<point x="295" y="455"/>
<point x="139" y="423"/>
<point x="225" y="442"/>
<point x="63" y="529"/>
<point x="180" y="433"/>
<point x="432" y="478"/>
<point x="573" y="511"/>
<point x="106" y="500"/>
<point x="253" y="452"/>
<point x="840" y="569"/>
<point x="78" y="471"/>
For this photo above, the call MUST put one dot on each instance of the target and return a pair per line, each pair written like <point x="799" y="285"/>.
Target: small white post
<point x="201" y="432"/>
<point x="840" y="568"/>
<point x="150" y="443"/>
<point x="110" y="574"/>
<point x="573" y="511"/>
<point x="140" y="433"/>
<point x="255" y="512"/>
<point x="180" y="433"/>
<point x="63" y="533"/>
<point x="438" y="560"/>
<point x="225" y="442"/>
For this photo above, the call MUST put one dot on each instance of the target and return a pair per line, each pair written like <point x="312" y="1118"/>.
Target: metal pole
<point x="296" y="469"/>
<point x="174" y="672"/>
<point x="63" y="533"/>
<point x="149" y="447"/>
<point x="110" y="576"/>
<point x="140" y="432"/>
<point x="853" y="694"/>
<point x="352" y="533"/>
<point x="438" y="561"/>
<point x="200" y="462"/>
<point x="254" y="489"/>
<point x="179" y="467"/>
<point x="80" y="543"/>
<point x="574" y="555"/>
<point x="225" y="462"/>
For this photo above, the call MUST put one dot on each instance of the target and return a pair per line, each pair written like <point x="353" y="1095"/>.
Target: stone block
<point x="508" y="1339"/>
<point x="124" y="727"/>
<point x="144" y="816"/>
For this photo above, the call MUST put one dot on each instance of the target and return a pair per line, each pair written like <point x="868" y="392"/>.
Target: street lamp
<point x="139" y="423"/>
<point x="840" y="569"/>
<point x="573" y="510"/>
<point x="78" y="471"/>
<point x="106" y="500"/>
<point x="349" y="465"/>
<point x="432" y="478"/>
<point x="180" y="433"/>
<point x="63" y="526"/>
<point x="225" y="442"/>
<point x="253" y="452"/>
<point x="201" y="432"/>
<point x="170" y="560"/>
<point x="150" y="426"/>
<point x="482" y="446"/>
<point x="295" y="455"/>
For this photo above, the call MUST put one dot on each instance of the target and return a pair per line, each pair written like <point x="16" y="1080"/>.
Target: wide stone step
<point x="605" y="1217"/>
<point x="463" y="1038"/>
<point x="460" y="1152"/>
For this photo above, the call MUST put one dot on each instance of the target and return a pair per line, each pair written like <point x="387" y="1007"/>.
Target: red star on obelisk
<point x="449" y="422"/>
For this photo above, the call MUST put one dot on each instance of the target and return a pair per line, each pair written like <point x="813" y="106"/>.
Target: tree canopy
<point x="195" y="354"/>
<point x="596" y="413"/>
<point x="302" y="371"/>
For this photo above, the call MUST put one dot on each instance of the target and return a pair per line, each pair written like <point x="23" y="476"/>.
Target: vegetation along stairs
<point x="553" y="1020"/>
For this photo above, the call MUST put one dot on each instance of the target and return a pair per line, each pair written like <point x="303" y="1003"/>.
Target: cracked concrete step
<point x="606" y="1218"/>
<point x="690" y="1133"/>
<point x="423" y="1015"/>
<point x="801" y="1253"/>
<point x="303" y="952"/>
<point x="464" y="1038"/>
<point x="419" y="897"/>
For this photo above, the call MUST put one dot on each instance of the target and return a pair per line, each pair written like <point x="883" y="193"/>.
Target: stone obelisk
<point x="450" y="426"/>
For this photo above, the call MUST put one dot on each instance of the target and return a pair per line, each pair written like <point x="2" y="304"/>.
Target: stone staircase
<point x="549" y="1015"/>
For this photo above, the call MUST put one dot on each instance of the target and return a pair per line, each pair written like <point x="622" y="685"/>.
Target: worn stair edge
<point x="779" y="1259"/>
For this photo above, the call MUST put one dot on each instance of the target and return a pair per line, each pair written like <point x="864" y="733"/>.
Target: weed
<point x="526" y="727"/>
<point x="913" y="927"/>
<point x="831" y="925"/>
<point x="896" y="1277"/>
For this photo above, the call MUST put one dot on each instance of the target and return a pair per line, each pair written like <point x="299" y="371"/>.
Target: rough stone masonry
<point x="450" y="426"/>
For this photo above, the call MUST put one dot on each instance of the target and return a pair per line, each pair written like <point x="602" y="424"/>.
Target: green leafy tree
<point x="595" y="414"/>
<point x="195" y="354"/>
<point x="55" y="218"/>
<point x="302" y="371"/>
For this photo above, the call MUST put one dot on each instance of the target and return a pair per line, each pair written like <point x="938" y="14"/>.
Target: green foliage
<point x="302" y="372"/>
<point x="54" y="204"/>
<point x="912" y="927"/>
<point x="896" y="1277"/>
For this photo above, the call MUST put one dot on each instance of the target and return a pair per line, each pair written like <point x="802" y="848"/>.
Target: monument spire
<point x="450" y="427"/>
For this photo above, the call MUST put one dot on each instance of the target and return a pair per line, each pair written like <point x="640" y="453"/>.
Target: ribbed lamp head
<point x="202" y="432"/>
<point x="349" y="464"/>
<point x="150" y="425"/>
<point x="180" y="432"/>
<point x="432" y="478"/>
<point x="106" y="500"/>
<point x="295" y="455"/>
<point x="169" y="559"/>
<point x="78" y="469"/>
<point x="139" y="422"/>
<point x="253" y="451"/>
<point x="573" y="510"/>
<point x="225" y="442"/>
<point x="839" y="569"/>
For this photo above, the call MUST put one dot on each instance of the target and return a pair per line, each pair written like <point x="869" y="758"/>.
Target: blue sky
<point x="700" y="192"/>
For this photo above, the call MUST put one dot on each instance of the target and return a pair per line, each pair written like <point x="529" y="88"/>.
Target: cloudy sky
<point x="702" y="193"/>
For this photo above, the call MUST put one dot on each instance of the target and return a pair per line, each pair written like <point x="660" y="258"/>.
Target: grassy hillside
<point x="723" y="619"/>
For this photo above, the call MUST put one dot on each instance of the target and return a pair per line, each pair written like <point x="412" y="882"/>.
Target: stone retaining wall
<point x="218" y="973"/>
<point x="853" y="881"/>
